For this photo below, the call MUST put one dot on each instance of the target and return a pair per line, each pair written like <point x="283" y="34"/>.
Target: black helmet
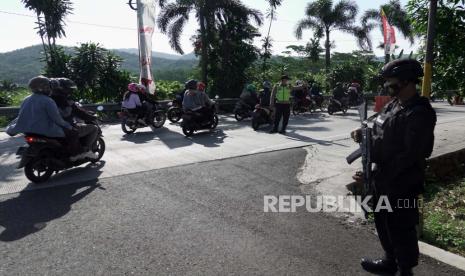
<point x="62" y="86"/>
<point x="191" y="84"/>
<point x="403" y="69"/>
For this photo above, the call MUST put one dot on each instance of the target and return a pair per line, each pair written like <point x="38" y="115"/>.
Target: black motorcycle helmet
<point x="403" y="69"/>
<point x="191" y="84"/>
<point x="62" y="86"/>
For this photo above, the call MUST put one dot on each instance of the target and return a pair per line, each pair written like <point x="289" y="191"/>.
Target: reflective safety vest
<point x="283" y="94"/>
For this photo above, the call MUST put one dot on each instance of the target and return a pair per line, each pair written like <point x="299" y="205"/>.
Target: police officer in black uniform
<point x="403" y="137"/>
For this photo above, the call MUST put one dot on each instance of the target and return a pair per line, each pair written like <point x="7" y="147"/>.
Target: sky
<point x="113" y="24"/>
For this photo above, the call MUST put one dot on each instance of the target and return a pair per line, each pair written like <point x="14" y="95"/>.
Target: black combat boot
<point x="384" y="265"/>
<point x="405" y="271"/>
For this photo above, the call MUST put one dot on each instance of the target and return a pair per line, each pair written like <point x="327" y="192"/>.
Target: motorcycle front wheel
<point x="38" y="170"/>
<point x="99" y="148"/>
<point x="239" y="116"/>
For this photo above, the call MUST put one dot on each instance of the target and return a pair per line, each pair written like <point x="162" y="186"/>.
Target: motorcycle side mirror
<point x="100" y="108"/>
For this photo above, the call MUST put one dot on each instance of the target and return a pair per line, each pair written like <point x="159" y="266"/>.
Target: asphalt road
<point x="199" y="219"/>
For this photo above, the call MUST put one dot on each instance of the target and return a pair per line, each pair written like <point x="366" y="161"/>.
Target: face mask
<point x="393" y="88"/>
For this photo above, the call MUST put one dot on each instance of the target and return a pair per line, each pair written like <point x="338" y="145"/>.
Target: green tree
<point x="396" y="16"/>
<point x="323" y="17"/>
<point x="449" y="62"/>
<point x="232" y="52"/>
<point x="174" y="16"/>
<point x="86" y="65"/>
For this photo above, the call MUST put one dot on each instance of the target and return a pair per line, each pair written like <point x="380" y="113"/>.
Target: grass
<point x="444" y="215"/>
<point x="18" y="96"/>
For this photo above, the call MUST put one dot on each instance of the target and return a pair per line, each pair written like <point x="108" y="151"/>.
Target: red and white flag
<point x="389" y="35"/>
<point x="146" y="28"/>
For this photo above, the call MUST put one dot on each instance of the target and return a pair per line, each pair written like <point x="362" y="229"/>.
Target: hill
<point x="159" y="54"/>
<point x="22" y="64"/>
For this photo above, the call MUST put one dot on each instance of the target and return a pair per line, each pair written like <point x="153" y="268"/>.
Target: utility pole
<point x="426" y="87"/>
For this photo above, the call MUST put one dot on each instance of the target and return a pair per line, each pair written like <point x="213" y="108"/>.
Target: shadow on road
<point x="32" y="210"/>
<point x="209" y="139"/>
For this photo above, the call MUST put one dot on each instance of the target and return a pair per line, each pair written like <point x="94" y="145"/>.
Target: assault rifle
<point x="364" y="151"/>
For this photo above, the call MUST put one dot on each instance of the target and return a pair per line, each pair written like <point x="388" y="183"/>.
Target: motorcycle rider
<point x="249" y="96"/>
<point x="39" y="114"/>
<point x="132" y="102"/>
<point x="339" y="94"/>
<point x="62" y="90"/>
<point x="197" y="101"/>
<point x="299" y="92"/>
<point x="315" y="94"/>
<point x="265" y="94"/>
<point x="147" y="103"/>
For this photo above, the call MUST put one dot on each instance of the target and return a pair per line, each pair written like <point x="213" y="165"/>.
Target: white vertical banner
<point x="146" y="27"/>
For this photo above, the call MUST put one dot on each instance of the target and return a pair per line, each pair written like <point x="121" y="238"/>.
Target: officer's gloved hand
<point x="356" y="135"/>
<point x="358" y="177"/>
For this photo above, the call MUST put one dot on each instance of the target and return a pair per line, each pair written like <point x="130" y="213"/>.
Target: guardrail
<point x="224" y="104"/>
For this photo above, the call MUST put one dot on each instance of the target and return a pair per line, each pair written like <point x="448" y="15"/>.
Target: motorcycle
<point x="304" y="105"/>
<point x="355" y="99"/>
<point x="260" y="116"/>
<point x="320" y="102"/>
<point x="242" y="110"/>
<point x="193" y="121"/>
<point x="175" y="112"/>
<point x="43" y="156"/>
<point x="130" y="123"/>
<point x="336" y="105"/>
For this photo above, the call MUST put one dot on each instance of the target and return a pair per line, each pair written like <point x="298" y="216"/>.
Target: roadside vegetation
<point x="444" y="214"/>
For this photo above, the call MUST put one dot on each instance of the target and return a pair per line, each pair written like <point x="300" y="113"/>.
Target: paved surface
<point x="167" y="147"/>
<point x="199" y="219"/>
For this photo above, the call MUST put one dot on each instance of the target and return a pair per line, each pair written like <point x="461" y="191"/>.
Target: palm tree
<point x="50" y="20"/>
<point x="266" y="41"/>
<point x="174" y="16"/>
<point x="396" y="16"/>
<point x="323" y="18"/>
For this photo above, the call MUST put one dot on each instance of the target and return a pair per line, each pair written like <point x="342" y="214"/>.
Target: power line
<point x="134" y="29"/>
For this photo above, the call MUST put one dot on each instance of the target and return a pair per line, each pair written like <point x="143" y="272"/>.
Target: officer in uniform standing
<point x="282" y="95"/>
<point x="403" y="137"/>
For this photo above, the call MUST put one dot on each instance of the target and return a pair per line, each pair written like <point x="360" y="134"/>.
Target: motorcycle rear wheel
<point x="215" y="122"/>
<point x="330" y="110"/>
<point x="187" y="131"/>
<point x="174" y="114"/>
<point x="38" y="170"/>
<point x="126" y="129"/>
<point x="159" y="119"/>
